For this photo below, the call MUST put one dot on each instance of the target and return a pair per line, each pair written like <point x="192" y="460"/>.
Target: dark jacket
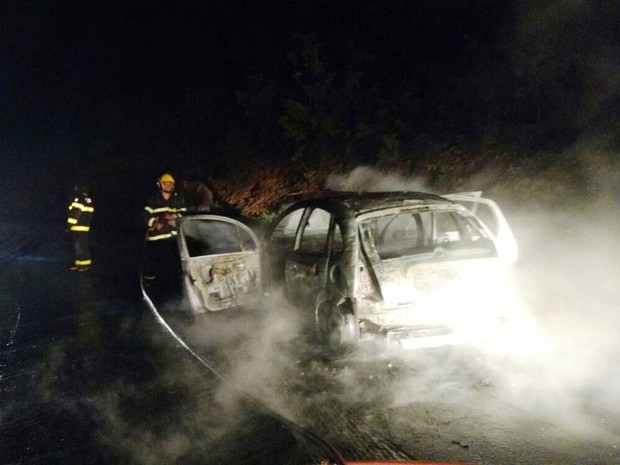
<point x="81" y="212"/>
<point x="155" y="212"/>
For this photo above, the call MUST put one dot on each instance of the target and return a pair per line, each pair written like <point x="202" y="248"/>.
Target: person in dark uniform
<point x="79" y="218"/>
<point x="198" y="196"/>
<point x="160" y="214"/>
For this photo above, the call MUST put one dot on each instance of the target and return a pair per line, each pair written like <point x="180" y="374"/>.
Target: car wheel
<point x="336" y="329"/>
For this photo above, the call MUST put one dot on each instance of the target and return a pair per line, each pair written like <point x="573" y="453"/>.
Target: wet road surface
<point x="441" y="405"/>
<point x="551" y="399"/>
<point x="89" y="375"/>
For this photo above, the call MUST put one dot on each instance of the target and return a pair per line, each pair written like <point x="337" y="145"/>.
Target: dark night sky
<point x="86" y="81"/>
<point x="68" y="64"/>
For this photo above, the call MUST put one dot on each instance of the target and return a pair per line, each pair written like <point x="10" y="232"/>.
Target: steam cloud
<point x="566" y="289"/>
<point x="367" y="179"/>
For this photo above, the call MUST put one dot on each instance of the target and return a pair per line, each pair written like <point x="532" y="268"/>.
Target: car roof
<point x="362" y="201"/>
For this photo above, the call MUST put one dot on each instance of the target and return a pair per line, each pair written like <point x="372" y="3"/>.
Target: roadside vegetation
<point x="549" y="182"/>
<point x="485" y="119"/>
<point x="332" y="113"/>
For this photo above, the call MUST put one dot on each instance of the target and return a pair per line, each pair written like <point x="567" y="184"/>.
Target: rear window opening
<point x="435" y="235"/>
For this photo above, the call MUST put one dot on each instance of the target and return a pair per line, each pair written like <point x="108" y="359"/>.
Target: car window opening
<point x="214" y="237"/>
<point x="427" y="235"/>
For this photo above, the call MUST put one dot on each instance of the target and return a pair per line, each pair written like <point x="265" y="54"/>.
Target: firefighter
<point x="161" y="213"/>
<point x="80" y="215"/>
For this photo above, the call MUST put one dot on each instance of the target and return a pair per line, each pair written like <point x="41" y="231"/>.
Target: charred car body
<point x="416" y="268"/>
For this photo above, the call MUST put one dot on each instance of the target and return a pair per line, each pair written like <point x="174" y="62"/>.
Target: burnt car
<point x="414" y="268"/>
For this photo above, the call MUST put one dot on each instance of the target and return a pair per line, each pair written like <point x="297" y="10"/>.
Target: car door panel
<point x="305" y="277"/>
<point x="306" y="265"/>
<point x="221" y="262"/>
<point x="487" y="211"/>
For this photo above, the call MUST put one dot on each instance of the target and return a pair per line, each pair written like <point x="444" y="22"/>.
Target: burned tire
<point x="336" y="330"/>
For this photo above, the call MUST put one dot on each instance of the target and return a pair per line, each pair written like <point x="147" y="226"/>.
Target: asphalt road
<point x="440" y="405"/>
<point x="548" y="396"/>
<point x="89" y="375"/>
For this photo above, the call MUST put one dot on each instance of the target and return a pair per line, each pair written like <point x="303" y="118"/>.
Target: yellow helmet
<point x="166" y="178"/>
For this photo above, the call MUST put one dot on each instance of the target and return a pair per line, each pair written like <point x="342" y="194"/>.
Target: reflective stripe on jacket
<point x="155" y="211"/>
<point x="81" y="213"/>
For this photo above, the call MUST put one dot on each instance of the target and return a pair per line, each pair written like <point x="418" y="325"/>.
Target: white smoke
<point x="560" y="371"/>
<point x="566" y="290"/>
<point x="368" y="179"/>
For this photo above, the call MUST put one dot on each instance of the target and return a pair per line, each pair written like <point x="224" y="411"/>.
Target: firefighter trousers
<point x="81" y="248"/>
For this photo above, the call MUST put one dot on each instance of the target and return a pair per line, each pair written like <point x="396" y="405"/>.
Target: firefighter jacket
<point x="80" y="214"/>
<point x="155" y="213"/>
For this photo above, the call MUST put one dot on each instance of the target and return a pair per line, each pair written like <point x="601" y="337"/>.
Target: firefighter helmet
<point x="166" y="177"/>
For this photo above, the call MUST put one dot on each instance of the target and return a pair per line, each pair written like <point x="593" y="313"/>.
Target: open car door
<point x="489" y="213"/>
<point x="220" y="261"/>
